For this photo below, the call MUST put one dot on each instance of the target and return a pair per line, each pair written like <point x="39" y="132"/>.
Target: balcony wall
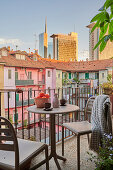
<point x="24" y="82"/>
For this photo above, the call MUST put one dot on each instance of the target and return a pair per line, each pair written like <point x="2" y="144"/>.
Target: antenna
<point x="35" y="35"/>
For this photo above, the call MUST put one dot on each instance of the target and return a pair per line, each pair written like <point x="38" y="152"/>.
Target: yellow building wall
<point x="68" y="47"/>
<point x="2" y="87"/>
<point x="107" y="53"/>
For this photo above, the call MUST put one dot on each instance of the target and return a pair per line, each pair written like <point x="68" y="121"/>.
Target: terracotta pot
<point x="40" y="102"/>
<point x="107" y="91"/>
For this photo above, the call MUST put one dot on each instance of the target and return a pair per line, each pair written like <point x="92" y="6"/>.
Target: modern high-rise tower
<point x="43" y="42"/>
<point x="107" y="53"/>
<point x="65" y="47"/>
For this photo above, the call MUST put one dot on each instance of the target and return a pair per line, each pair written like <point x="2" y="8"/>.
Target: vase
<point x="55" y="101"/>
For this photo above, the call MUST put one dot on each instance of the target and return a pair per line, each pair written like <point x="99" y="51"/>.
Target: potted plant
<point x="108" y="86"/>
<point x="41" y="99"/>
<point x="104" y="158"/>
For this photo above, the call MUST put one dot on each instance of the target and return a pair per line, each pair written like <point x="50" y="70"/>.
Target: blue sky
<point x="21" y="19"/>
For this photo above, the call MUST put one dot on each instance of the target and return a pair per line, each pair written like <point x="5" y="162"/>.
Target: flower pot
<point x="107" y="91"/>
<point x="40" y="102"/>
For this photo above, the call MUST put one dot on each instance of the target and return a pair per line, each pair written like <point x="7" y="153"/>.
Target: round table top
<point x="62" y="109"/>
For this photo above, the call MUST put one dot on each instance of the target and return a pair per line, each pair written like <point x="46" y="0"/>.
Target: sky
<point x="21" y="19"/>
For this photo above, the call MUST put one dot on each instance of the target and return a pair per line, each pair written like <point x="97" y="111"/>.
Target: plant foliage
<point x="104" y="21"/>
<point x="104" y="160"/>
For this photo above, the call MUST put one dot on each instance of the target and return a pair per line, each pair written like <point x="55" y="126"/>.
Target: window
<point x="69" y="75"/>
<point x="22" y="57"/>
<point x="30" y="75"/>
<point x="16" y="75"/>
<point x="9" y="74"/>
<point x="49" y="75"/>
<point x="58" y="75"/>
<point x="102" y="75"/>
<point x="86" y="75"/>
<point x="96" y="75"/>
<point x="9" y="95"/>
<point x="30" y="93"/>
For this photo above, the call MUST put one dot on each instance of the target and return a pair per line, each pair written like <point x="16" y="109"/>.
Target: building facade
<point x="65" y="47"/>
<point x="43" y="42"/>
<point x="50" y="50"/>
<point x="107" y="53"/>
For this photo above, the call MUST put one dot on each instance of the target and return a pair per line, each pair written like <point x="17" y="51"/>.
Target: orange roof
<point x="81" y="66"/>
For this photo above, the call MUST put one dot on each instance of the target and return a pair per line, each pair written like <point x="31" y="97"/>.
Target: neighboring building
<point x="43" y="42"/>
<point x="65" y="47"/>
<point x="93" y="39"/>
<point x="107" y="53"/>
<point x="50" y="50"/>
<point x="83" y="55"/>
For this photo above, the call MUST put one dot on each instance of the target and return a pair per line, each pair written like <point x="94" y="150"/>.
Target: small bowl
<point x="63" y="102"/>
<point x="47" y="105"/>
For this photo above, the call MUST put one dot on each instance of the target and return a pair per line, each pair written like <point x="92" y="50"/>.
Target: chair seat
<point x="27" y="150"/>
<point x="79" y="128"/>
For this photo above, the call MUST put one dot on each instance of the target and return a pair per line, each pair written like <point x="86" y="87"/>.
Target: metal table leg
<point x="53" y="142"/>
<point x="78" y="152"/>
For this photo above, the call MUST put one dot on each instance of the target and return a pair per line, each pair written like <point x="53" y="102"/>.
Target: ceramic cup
<point x="47" y="105"/>
<point x="62" y="102"/>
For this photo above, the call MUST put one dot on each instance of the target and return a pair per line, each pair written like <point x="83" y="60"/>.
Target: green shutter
<point x="69" y="75"/>
<point x="16" y="75"/>
<point x="16" y="118"/>
<point x="86" y="75"/>
<point x="17" y="97"/>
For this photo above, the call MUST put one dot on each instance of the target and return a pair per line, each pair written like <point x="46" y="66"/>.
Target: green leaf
<point x="104" y="42"/>
<point x="97" y="17"/>
<point x="108" y="3"/>
<point x="107" y="37"/>
<point x="105" y="30"/>
<point x="110" y="31"/>
<point x="102" y="8"/>
<point x="95" y="26"/>
<point x="112" y="9"/>
<point x="111" y="38"/>
<point x="107" y="15"/>
<point x="111" y="16"/>
<point x="102" y="27"/>
<point x="99" y="42"/>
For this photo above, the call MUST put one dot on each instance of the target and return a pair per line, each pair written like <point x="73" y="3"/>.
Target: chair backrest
<point x="8" y="139"/>
<point x="88" y="109"/>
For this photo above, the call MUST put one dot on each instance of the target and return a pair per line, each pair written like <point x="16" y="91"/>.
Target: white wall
<point x="101" y="79"/>
<point x="81" y="76"/>
<point x="9" y="84"/>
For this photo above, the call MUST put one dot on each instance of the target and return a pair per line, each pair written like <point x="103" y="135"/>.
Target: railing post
<point x="0" y="103"/>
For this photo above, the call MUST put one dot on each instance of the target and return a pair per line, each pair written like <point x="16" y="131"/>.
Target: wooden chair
<point x="16" y="153"/>
<point x="80" y="128"/>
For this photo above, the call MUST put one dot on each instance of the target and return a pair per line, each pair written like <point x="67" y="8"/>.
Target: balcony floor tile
<point x="70" y="154"/>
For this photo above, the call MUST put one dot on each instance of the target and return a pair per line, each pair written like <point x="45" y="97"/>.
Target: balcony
<point x="39" y="129"/>
<point x="24" y="82"/>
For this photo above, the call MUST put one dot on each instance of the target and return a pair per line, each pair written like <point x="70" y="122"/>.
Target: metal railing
<point x="35" y="126"/>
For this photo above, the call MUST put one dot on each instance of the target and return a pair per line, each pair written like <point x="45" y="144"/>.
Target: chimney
<point x="8" y="48"/>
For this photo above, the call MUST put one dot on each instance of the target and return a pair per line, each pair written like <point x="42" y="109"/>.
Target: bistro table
<point x="61" y="110"/>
